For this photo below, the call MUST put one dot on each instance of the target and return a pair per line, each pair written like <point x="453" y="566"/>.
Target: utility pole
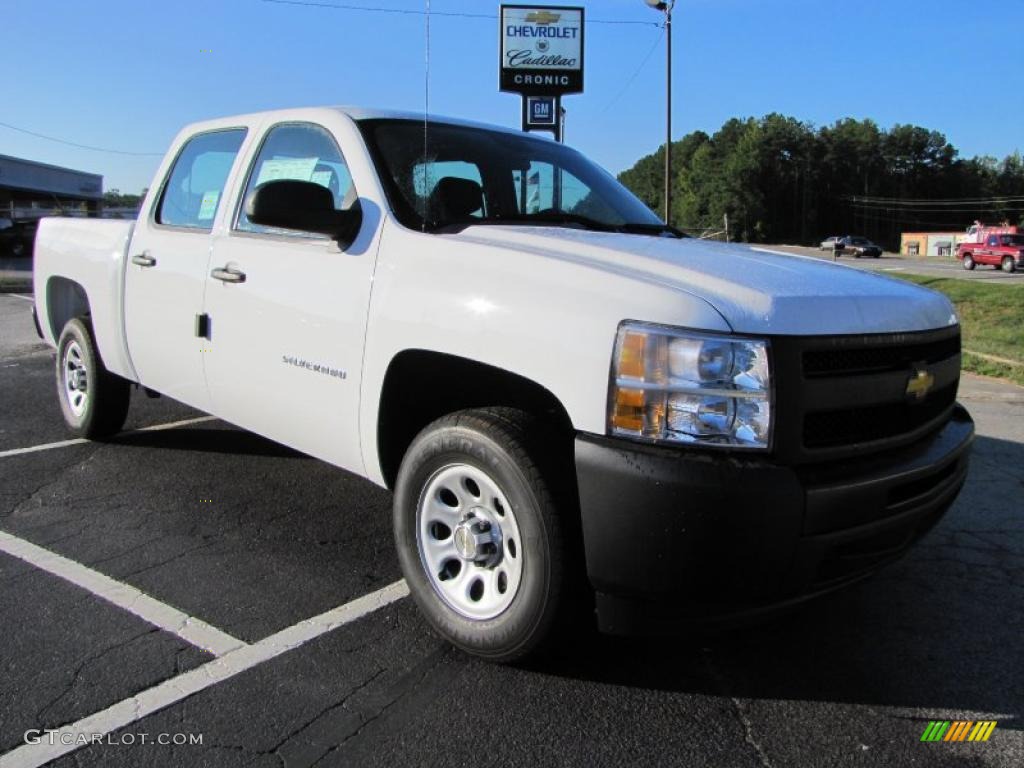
<point x="666" y="8"/>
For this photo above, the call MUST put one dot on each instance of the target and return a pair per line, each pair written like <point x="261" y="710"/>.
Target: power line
<point x="81" y="146"/>
<point x="417" y="12"/>
<point x="975" y="211"/>
<point x="904" y="219"/>
<point x="934" y="200"/>
<point x="637" y="72"/>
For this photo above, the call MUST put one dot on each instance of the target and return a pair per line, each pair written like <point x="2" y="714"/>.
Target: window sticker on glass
<point x="291" y="168"/>
<point x="323" y="178"/>
<point x="208" y="207"/>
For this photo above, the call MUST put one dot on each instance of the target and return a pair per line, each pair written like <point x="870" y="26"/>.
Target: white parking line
<point x="19" y="296"/>
<point x="71" y="737"/>
<point x="80" y="440"/>
<point x="135" y="601"/>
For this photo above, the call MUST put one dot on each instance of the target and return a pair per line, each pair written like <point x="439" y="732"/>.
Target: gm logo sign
<point x="541" y="111"/>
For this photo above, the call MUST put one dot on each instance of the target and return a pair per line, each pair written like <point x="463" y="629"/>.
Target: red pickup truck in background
<point x="1001" y="247"/>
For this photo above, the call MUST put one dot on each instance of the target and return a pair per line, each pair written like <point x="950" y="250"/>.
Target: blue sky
<point x="127" y="74"/>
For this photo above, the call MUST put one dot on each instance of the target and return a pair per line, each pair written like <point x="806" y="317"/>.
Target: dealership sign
<point x="541" y="49"/>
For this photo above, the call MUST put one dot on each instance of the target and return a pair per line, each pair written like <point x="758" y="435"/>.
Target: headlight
<point x="681" y="386"/>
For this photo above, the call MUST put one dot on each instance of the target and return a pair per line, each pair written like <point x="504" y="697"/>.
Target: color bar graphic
<point x="958" y="730"/>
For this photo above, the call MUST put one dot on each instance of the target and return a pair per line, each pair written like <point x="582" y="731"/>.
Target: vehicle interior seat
<point x="454" y="199"/>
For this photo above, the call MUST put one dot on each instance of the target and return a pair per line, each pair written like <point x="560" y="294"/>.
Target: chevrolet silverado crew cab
<point x="575" y="406"/>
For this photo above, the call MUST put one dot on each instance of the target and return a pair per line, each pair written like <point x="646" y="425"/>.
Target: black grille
<point x="839" y="396"/>
<point x="845" y="361"/>
<point x="849" y="426"/>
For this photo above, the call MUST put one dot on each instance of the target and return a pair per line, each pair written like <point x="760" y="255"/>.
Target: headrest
<point x="456" y="197"/>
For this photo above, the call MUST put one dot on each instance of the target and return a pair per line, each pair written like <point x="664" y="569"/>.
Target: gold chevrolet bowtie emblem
<point x="920" y="384"/>
<point x="543" y="17"/>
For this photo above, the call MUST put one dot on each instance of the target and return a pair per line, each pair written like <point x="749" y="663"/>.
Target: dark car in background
<point x="17" y="238"/>
<point x="859" y="247"/>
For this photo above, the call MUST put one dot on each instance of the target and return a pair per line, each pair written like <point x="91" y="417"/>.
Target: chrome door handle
<point x="144" y="259"/>
<point x="228" y="275"/>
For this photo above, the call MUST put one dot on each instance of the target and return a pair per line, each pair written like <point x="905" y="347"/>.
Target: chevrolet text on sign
<point x="541" y="49"/>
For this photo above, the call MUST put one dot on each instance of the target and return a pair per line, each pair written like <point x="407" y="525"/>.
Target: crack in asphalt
<point x="402" y="688"/>
<point x="738" y="711"/>
<point x="275" y="750"/>
<point x="39" y="718"/>
<point x="748" y="731"/>
<point x="169" y="560"/>
<point x="53" y="478"/>
<point x="57" y="478"/>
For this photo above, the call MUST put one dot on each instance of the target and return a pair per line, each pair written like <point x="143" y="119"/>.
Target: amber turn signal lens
<point x="631" y="355"/>
<point x="628" y="414"/>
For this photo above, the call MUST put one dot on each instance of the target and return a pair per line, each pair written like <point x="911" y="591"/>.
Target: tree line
<point x="113" y="198"/>
<point x="782" y="180"/>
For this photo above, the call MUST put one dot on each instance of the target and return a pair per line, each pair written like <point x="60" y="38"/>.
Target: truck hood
<point x="755" y="290"/>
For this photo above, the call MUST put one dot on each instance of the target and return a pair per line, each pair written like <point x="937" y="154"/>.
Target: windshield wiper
<point x="639" y="228"/>
<point x="554" y="218"/>
<point x="629" y="227"/>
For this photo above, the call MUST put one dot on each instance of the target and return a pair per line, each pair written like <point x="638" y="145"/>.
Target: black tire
<point x="103" y="407"/>
<point x="512" y="449"/>
<point x="1008" y="264"/>
<point x="968" y="262"/>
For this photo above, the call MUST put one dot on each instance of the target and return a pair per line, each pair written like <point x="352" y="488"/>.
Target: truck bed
<point x="81" y="262"/>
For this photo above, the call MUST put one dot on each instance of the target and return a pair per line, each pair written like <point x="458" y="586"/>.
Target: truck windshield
<point x="478" y="176"/>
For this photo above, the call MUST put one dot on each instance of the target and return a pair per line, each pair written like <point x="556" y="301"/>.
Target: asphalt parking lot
<point x="237" y="543"/>
<point x="933" y="266"/>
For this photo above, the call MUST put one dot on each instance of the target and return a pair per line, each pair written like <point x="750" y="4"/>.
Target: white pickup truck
<point x="575" y="405"/>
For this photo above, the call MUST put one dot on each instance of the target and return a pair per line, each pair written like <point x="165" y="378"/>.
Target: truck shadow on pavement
<point x="941" y="629"/>
<point x="209" y="440"/>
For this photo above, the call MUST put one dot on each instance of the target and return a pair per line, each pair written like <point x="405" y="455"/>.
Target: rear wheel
<point x="968" y="262"/>
<point x="478" y="534"/>
<point x="93" y="400"/>
<point x="1008" y="264"/>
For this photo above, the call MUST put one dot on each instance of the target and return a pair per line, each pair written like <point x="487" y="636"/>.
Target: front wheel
<point x="1008" y="264"/>
<point x="93" y="400"/>
<point x="968" y="262"/>
<point x="478" y="534"/>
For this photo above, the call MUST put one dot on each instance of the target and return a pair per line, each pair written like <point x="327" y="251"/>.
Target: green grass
<point x="992" y="318"/>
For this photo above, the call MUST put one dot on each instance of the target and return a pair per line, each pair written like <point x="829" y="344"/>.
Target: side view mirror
<point x="303" y="206"/>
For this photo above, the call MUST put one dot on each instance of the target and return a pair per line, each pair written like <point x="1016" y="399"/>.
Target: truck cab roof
<point x="317" y="114"/>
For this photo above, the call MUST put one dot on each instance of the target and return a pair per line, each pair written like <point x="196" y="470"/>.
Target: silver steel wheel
<point x="76" y="378"/>
<point x="469" y="541"/>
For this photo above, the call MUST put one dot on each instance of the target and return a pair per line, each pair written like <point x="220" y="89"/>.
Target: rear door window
<point x="195" y="186"/>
